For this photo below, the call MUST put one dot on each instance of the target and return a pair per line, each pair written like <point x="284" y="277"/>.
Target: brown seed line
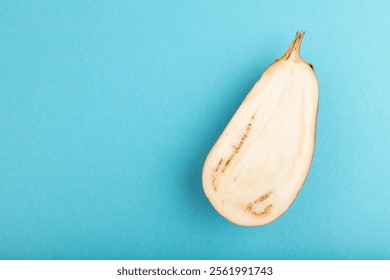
<point x="219" y="164"/>
<point x="260" y="199"/>
<point x="236" y="149"/>
<point x="265" y="211"/>
<point x="214" y="184"/>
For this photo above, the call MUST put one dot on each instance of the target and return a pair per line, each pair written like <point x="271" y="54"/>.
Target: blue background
<point x="108" y="110"/>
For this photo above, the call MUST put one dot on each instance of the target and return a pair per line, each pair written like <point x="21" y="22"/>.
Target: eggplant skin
<point x="259" y="164"/>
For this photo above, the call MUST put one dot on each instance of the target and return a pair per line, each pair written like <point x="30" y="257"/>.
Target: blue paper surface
<point x="108" y="110"/>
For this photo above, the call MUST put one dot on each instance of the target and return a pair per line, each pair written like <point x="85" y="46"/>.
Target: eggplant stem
<point x="293" y="50"/>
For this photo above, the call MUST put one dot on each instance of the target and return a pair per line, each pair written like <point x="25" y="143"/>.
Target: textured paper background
<point x="109" y="108"/>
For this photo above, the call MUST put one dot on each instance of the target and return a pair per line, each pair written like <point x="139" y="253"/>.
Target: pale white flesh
<point x="259" y="164"/>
